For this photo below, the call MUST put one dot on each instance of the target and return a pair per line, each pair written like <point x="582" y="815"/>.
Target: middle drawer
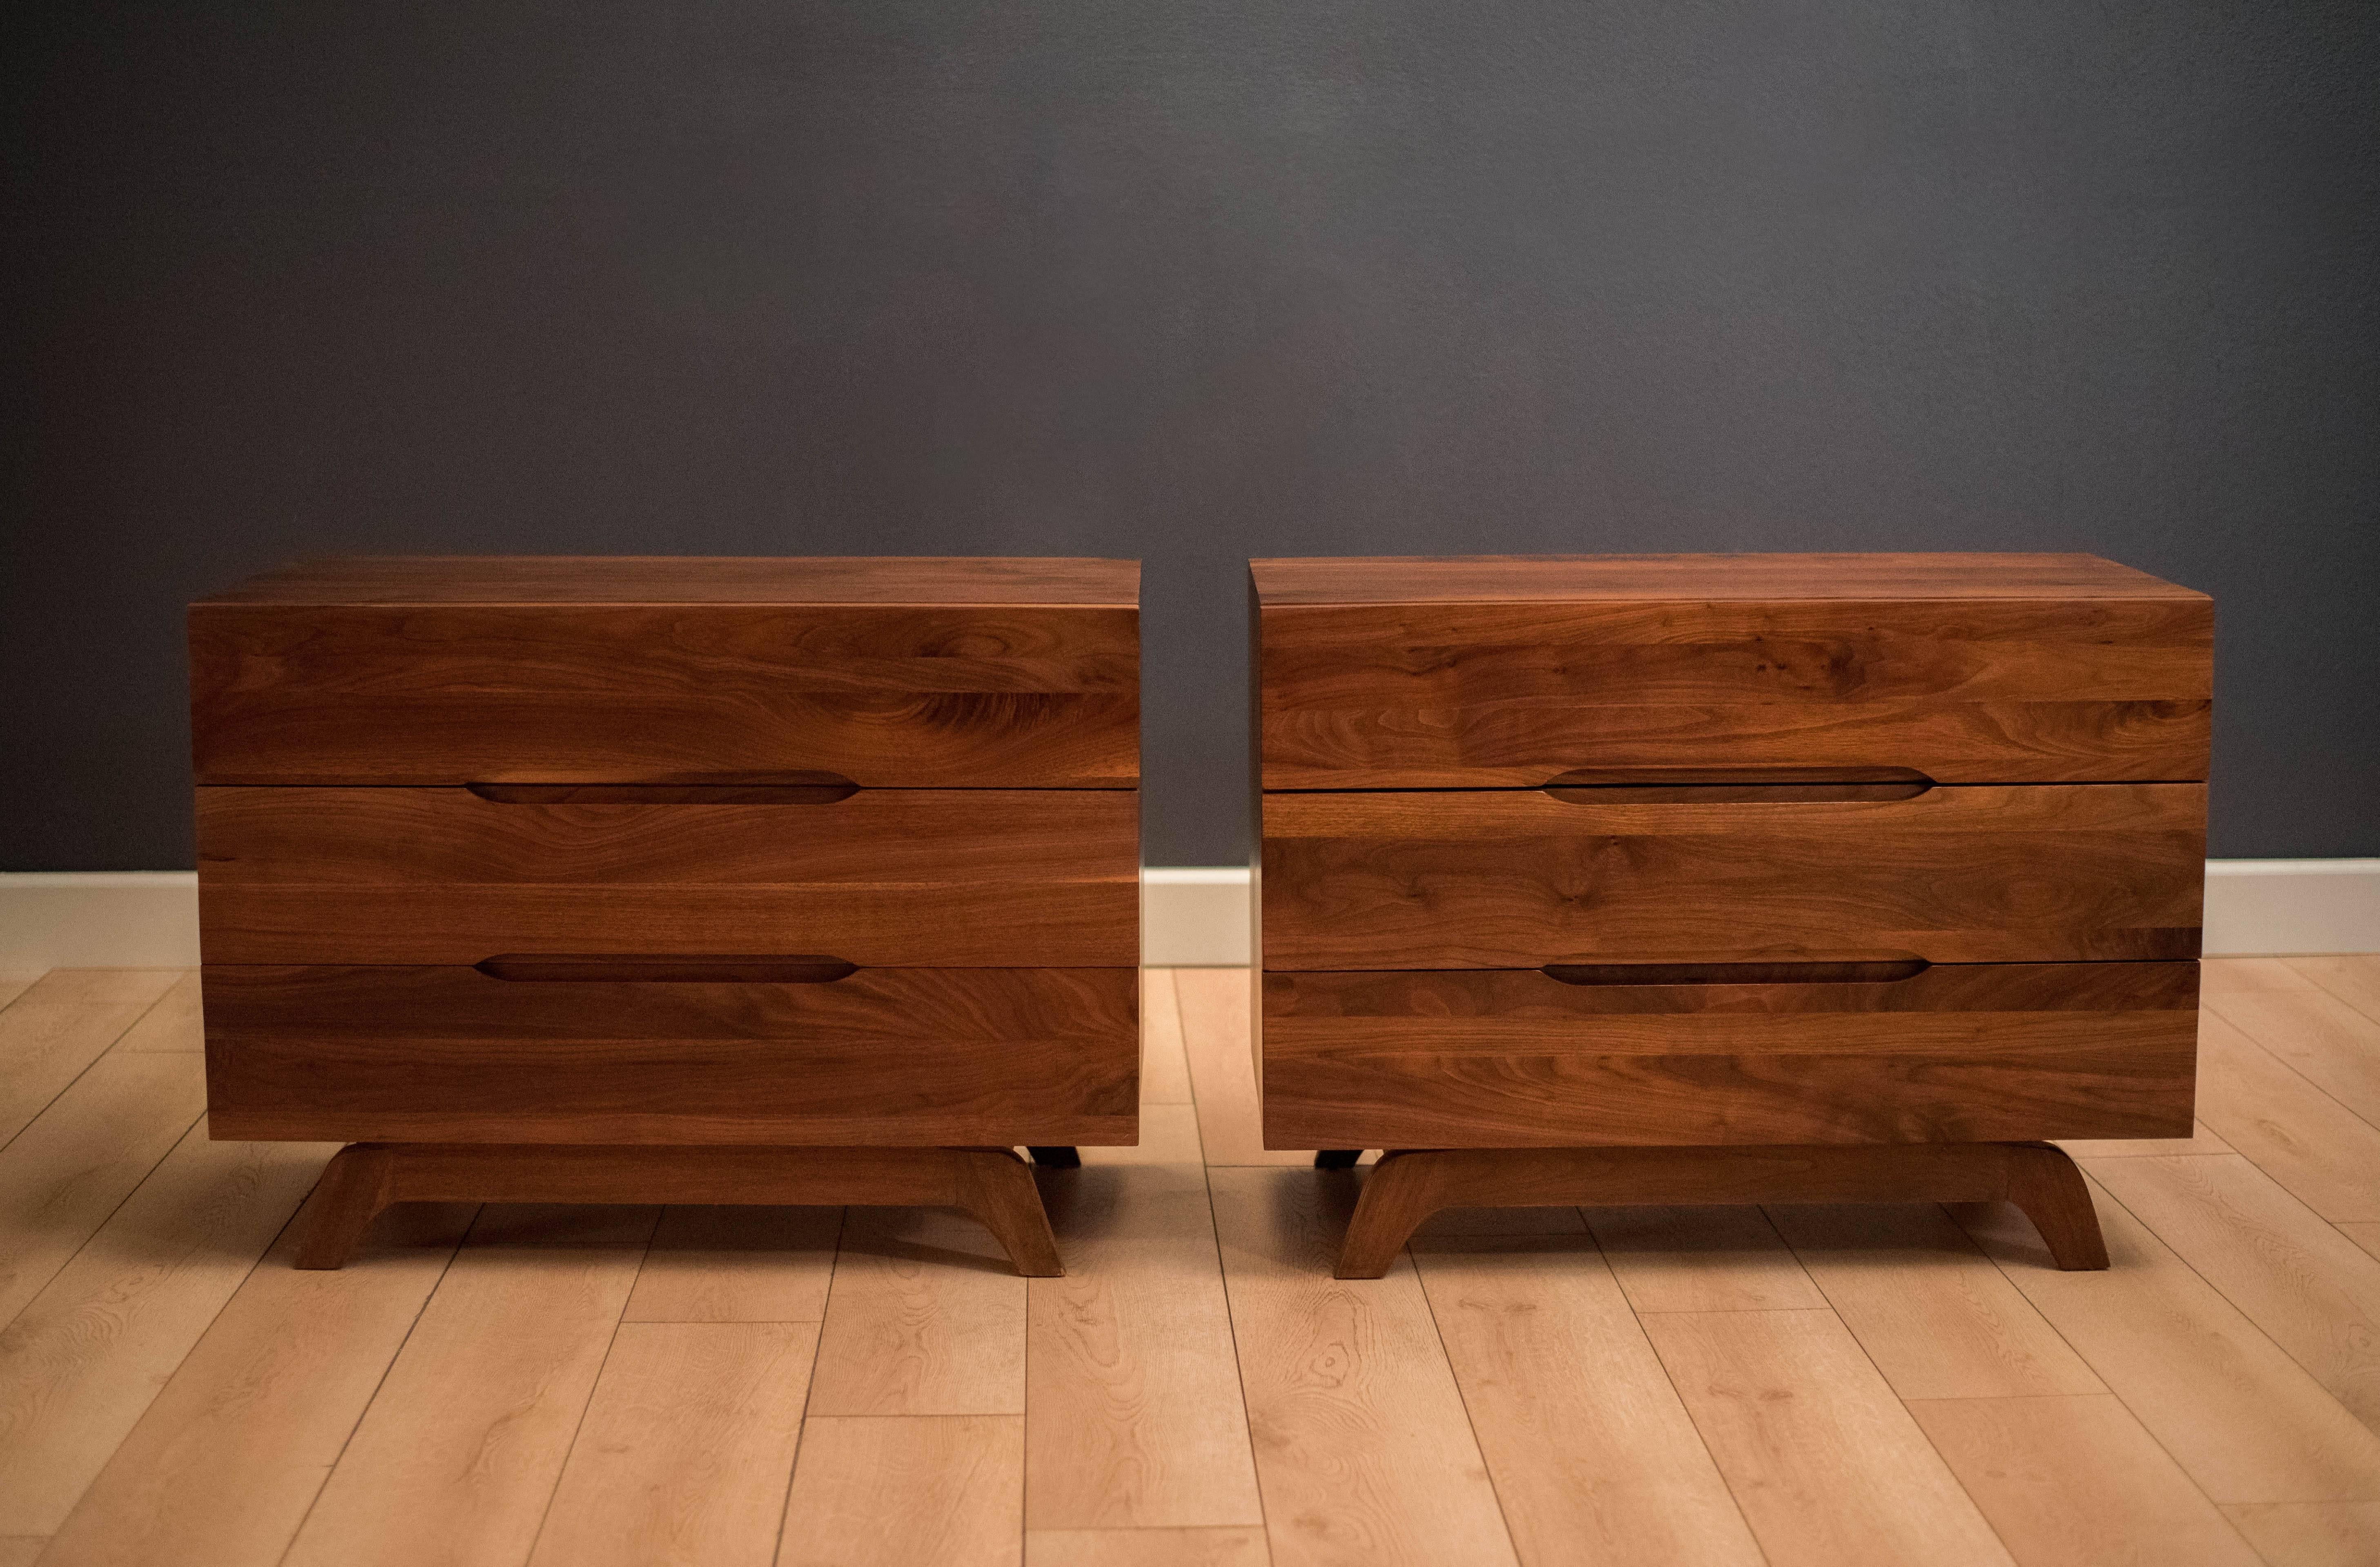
<point x="1521" y="878"/>
<point x="879" y="878"/>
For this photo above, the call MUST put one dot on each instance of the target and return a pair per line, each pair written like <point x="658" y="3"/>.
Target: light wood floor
<point x="552" y="1387"/>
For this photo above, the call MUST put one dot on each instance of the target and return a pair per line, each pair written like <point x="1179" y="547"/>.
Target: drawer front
<point x="950" y="878"/>
<point x="1521" y="878"/>
<point x="885" y="696"/>
<point x="910" y="1057"/>
<point x="1472" y="695"/>
<point x="1966" y="1053"/>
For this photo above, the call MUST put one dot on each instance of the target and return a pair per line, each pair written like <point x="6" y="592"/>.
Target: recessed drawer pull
<point x="706" y="971"/>
<point x="1883" y="973"/>
<point x="825" y="790"/>
<point x="1586" y="787"/>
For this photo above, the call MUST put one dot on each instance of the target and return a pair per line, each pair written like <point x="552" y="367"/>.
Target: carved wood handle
<point x="703" y="970"/>
<point x="1873" y="973"/>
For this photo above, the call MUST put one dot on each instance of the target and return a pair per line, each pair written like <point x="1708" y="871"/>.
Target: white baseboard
<point x="1192" y="916"/>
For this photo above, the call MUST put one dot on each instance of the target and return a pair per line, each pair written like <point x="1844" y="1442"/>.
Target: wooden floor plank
<point x="2353" y="977"/>
<point x="2318" y="1036"/>
<point x="1593" y="1455"/>
<point x="109" y="987"/>
<point x="2245" y="976"/>
<point x="925" y="1315"/>
<point x="15" y="983"/>
<point x="1164" y="1067"/>
<point x="1145" y="1548"/>
<point x="1133" y="1412"/>
<point x="81" y="1157"/>
<point x="2201" y="1140"/>
<point x="2313" y="1291"/>
<point x="457" y="1454"/>
<point x="1215" y="1023"/>
<point x="1364" y="1450"/>
<point x="1721" y="1258"/>
<point x="1936" y="1316"/>
<point x="2311" y="1534"/>
<point x="686" y="1448"/>
<point x="1827" y="1464"/>
<point x="223" y="1465"/>
<point x="2364" y="1235"/>
<point x="87" y="1355"/>
<point x="2077" y="1482"/>
<point x="737" y="1265"/>
<point x="2322" y="1151"/>
<point x="47" y="1045"/>
<point x="173" y="1023"/>
<point x="565" y="1225"/>
<point x="20" y="1550"/>
<point x="2245" y="1421"/>
<point x="907" y="1491"/>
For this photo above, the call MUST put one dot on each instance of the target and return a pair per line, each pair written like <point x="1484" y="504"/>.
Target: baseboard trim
<point x="1192" y="916"/>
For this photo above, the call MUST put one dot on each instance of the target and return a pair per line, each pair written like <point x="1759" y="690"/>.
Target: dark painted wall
<point x="1190" y="280"/>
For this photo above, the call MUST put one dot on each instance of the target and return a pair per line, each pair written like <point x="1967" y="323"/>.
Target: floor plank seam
<point x="81" y="1246"/>
<point x="594" y="1384"/>
<point x="1462" y="1396"/>
<point x="802" y="1420"/>
<point x="67" y="1086"/>
<point x="2287" y="1065"/>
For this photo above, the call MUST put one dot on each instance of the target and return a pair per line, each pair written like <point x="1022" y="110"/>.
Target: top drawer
<point x="1519" y="671"/>
<point x="885" y="673"/>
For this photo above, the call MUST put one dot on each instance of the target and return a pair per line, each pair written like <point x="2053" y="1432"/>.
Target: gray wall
<point x="1188" y="280"/>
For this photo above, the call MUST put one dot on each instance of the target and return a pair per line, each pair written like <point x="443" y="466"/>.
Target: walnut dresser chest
<point x="671" y="879"/>
<point x="1726" y="878"/>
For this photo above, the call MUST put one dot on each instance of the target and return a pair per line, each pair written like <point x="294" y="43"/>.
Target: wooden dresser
<point x="1726" y="878"/>
<point x="654" y="880"/>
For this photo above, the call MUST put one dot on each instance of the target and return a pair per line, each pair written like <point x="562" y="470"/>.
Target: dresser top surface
<point x="692" y="579"/>
<point x="1382" y="579"/>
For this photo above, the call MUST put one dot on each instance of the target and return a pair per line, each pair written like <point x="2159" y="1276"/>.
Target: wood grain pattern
<point x="85" y="1357"/>
<point x="1164" y="1066"/>
<point x="685" y="1452"/>
<point x="221" y="1468"/>
<point x="2232" y="976"/>
<point x="2353" y="977"/>
<point x="2311" y="1290"/>
<point x="1216" y="1019"/>
<point x="2076" y="1482"/>
<point x="173" y="1023"/>
<point x="1407" y="1186"/>
<point x="900" y="1492"/>
<point x="1131" y="1380"/>
<point x="897" y="1057"/>
<point x="1363" y="1449"/>
<point x="963" y="696"/>
<point x="2311" y="1534"/>
<point x="1827" y="1464"/>
<point x="457" y="1454"/>
<point x="1936" y="1317"/>
<point x="1515" y="1059"/>
<point x="102" y="987"/>
<point x="1515" y="878"/>
<point x="47" y="1045"/>
<point x="737" y="1265"/>
<point x="942" y="878"/>
<point x="1693" y="1258"/>
<point x="925" y="1316"/>
<point x="1513" y="673"/>
<point x="691" y="579"/>
<point x="2320" y="1036"/>
<point x="1593" y="1456"/>
<point x="1145" y="1548"/>
<point x="66" y="1172"/>
<point x="2245" y="1421"/>
<point x="2326" y="1155"/>
<point x="2202" y="1138"/>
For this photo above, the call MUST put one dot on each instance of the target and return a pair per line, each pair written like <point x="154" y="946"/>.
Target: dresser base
<point x="991" y="1184"/>
<point x="1407" y="1187"/>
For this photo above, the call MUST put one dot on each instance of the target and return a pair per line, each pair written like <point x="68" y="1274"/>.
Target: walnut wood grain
<point x="992" y="694"/>
<point x="898" y="1057"/>
<point x="1516" y="879"/>
<point x="1406" y="1186"/>
<point x="924" y="877"/>
<point x="693" y="579"/>
<point x="991" y="1183"/>
<point x="1505" y="1059"/>
<point x="1472" y="674"/>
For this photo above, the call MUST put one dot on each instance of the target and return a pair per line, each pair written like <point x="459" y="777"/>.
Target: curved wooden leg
<point x="1057" y="1157"/>
<point x="997" y="1187"/>
<point x="2043" y="1182"/>
<point x="354" y="1188"/>
<point x="1337" y="1158"/>
<point x="1402" y="1191"/>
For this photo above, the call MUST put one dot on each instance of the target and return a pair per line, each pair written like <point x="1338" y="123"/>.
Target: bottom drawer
<point x="895" y="1057"/>
<point x="1501" y="1058"/>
